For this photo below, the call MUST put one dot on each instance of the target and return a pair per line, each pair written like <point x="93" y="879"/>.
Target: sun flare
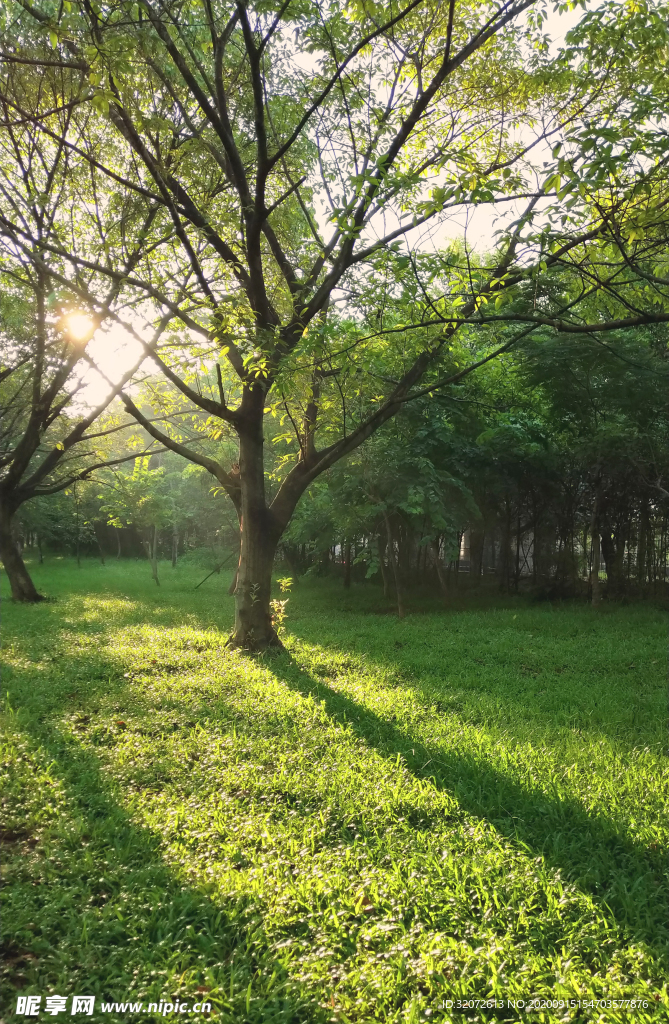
<point x="79" y="326"/>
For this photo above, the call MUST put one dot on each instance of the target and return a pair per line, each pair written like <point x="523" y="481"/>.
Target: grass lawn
<point x="465" y="805"/>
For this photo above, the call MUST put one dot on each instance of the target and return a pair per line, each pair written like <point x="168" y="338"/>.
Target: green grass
<point x="466" y="804"/>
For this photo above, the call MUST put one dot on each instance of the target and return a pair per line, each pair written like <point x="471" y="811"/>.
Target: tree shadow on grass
<point x="589" y="849"/>
<point x="104" y="915"/>
<point x="555" y="667"/>
<point x="168" y="917"/>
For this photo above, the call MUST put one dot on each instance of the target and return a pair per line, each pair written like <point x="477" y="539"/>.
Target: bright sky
<point x="115" y="350"/>
<point x="480" y="223"/>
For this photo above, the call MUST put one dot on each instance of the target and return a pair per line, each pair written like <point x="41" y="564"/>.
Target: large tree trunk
<point x="259" y="535"/>
<point x="22" y="587"/>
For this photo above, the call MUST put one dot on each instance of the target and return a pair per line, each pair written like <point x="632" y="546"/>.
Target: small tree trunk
<point x="347" y="565"/>
<point x="39" y="548"/>
<point x="76" y="515"/>
<point x="506" y="551"/>
<point x="382" y="565"/>
<point x="154" y="556"/>
<point x="175" y="546"/>
<point x="118" y="544"/>
<point x="97" y="541"/>
<point x="476" y="548"/>
<point x="395" y="568"/>
<point x="434" y="550"/>
<point x="642" y="545"/>
<point x="22" y="587"/>
<point x="595" y="584"/>
<point x="151" y="548"/>
<point x="613" y="551"/>
<point x="535" y="540"/>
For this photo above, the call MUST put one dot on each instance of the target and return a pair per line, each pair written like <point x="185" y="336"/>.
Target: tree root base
<point x="254" y="645"/>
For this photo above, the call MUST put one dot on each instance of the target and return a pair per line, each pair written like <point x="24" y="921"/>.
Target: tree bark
<point x="259" y="536"/>
<point x="22" y="587"/>
<point x="233" y="586"/>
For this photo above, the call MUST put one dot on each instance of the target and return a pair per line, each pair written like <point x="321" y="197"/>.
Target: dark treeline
<point x="546" y="473"/>
<point x="580" y="534"/>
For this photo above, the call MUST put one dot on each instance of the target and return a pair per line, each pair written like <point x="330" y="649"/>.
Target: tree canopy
<point x="280" y="180"/>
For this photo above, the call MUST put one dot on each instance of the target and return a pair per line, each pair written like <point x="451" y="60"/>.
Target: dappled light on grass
<point x="356" y="829"/>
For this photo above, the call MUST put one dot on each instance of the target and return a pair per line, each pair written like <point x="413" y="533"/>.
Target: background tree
<point x="47" y="439"/>
<point x="141" y="499"/>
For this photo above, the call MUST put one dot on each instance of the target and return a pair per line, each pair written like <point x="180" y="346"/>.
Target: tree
<point x="246" y="128"/>
<point x="141" y="499"/>
<point x="46" y="439"/>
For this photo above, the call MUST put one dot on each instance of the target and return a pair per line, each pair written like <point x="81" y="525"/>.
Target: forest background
<point x="271" y="225"/>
